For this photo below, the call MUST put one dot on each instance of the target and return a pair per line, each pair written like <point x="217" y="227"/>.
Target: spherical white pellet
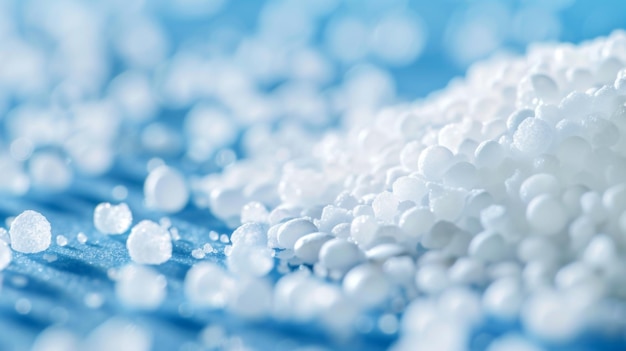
<point x="112" y="219"/>
<point x="250" y="261"/>
<point x="591" y="204"/>
<point x="149" y="243"/>
<point x="416" y="221"/>
<point x="537" y="248"/>
<point x="385" y="206"/>
<point x="533" y="136"/>
<point x="467" y="270"/>
<point x="165" y="189"/>
<point x="488" y="246"/>
<point x="409" y="188"/>
<point x="432" y="278"/>
<point x="550" y="316"/>
<point x="545" y="87"/>
<point x="448" y="205"/>
<point x="489" y="154"/>
<point x="614" y="199"/>
<point x="227" y="203"/>
<point x="30" y="232"/>
<point x="366" y="284"/>
<point x="363" y="229"/>
<point x="140" y="287"/>
<point x="439" y="235"/>
<point x="546" y="215"/>
<point x="250" y="234"/>
<point x="434" y="161"/>
<point x="539" y="184"/>
<point x="331" y="216"/>
<point x="254" y="212"/>
<point x="293" y="230"/>
<point x="307" y="248"/>
<point x="503" y="298"/>
<point x="207" y="284"/>
<point x="339" y="254"/>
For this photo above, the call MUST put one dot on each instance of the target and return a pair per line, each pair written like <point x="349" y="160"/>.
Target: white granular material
<point x="82" y="238"/>
<point x="166" y="190"/>
<point x="511" y="181"/>
<point x="149" y="243"/>
<point x="112" y="219"/>
<point x="61" y="240"/>
<point x="30" y="232"/>
<point x="140" y="287"/>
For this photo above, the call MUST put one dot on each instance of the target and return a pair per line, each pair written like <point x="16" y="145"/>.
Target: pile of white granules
<point x="501" y="197"/>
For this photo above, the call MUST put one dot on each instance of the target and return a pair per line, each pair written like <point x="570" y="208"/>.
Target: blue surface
<point x="57" y="289"/>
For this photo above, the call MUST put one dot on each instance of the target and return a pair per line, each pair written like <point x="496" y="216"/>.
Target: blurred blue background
<point x="263" y="66"/>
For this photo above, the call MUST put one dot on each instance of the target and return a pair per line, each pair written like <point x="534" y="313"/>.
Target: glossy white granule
<point x="165" y="189"/>
<point x="112" y="219"/>
<point x="149" y="243"/>
<point x="30" y="232"/>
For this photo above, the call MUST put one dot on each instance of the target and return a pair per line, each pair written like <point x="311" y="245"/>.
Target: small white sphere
<point x="250" y="234"/>
<point x="293" y="230"/>
<point x="488" y="246"/>
<point x="504" y="298"/>
<point x="416" y="221"/>
<point x="112" y="219"/>
<point x="308" y="247"/>
<point x="207" y="284"/>
<point x="366" y="284"/>
<point x="385" y="206"/>
<point x="30" y="232"/>
<point x="434" y="161"/>
<point x="432" y="278"/>
<point x="363" y="230"/>
<point x="165" y="189"/>
<point x="539" y="184"/>
<point x="149" y="243"/>
<point x="546" y="215"/>
<point x="250" y="261"/>
<point x="408" y="188"/>
<point x="339" y="254"/>
<point x="533" y="137"/>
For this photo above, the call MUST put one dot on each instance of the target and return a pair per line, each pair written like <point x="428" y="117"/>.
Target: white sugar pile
<point x="503" y="195"/>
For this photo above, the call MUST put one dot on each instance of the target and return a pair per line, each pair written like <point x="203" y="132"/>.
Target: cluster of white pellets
<point x="502" y="196"/>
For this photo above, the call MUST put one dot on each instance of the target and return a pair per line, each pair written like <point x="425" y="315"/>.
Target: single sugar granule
<point x="30" y="232"/>
<point x="112" y="219"/>
<point x="82" y="238"/>
<point x="149" y="243"/>
<point x="61" y="240"/>
<point x="166" y="190"/>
